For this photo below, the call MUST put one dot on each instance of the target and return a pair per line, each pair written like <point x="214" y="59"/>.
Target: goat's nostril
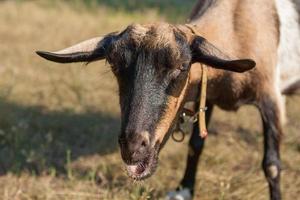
<point x="144" y="143"/>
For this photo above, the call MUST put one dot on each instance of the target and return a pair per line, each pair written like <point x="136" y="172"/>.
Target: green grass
<point x="59" y="123"/>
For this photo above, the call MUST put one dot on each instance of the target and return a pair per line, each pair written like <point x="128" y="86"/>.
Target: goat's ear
<point x="86" y="51"/>
<point x="204" y="52"/>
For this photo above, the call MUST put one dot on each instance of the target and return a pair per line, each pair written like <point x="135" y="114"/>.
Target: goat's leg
<point x="196" y="144"/>
<point x="270" y="112"/>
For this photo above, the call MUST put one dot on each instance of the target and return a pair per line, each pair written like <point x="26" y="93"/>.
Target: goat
<point x="158" y="69"/>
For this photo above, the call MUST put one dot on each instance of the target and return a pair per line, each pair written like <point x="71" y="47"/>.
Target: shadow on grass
<point x="35" y="140"/>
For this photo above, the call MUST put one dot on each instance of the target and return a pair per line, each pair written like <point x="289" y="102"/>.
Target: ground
<point x="59" y="123"/>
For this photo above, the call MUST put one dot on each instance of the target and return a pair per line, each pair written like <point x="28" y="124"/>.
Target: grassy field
<point x="59" y="123"/>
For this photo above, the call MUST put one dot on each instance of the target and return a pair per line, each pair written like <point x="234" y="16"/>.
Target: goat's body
<point x="241" y="37"/>
<point x="257" y="30"/>
<point x="268" y="32"/>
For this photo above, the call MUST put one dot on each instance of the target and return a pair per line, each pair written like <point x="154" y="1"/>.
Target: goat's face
<point x="151" y="64"/>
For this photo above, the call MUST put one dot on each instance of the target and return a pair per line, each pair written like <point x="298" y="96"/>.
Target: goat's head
<point x="151" y="64"/>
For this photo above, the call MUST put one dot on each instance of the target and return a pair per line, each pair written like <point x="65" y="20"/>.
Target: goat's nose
<point x="138" y="143"/>
<point x="137" y="146"/>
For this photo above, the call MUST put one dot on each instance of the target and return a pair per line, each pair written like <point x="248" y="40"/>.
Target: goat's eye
<point x="184" y="67"/>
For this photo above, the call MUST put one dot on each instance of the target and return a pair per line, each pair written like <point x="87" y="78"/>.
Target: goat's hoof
<point x="183" y="194"/>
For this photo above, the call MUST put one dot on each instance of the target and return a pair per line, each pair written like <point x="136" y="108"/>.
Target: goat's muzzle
<point x="138" y="154"/>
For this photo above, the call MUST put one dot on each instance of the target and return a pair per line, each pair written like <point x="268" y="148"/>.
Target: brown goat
<point x="158" y="68"/>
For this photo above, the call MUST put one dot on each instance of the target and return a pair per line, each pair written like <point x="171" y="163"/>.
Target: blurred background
<point x="59" y="123"/>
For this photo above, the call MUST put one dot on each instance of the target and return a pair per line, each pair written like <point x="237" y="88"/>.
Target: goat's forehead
<point x="151" y="35"/>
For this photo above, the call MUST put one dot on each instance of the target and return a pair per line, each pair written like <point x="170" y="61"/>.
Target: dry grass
<point x="59" y="124"/>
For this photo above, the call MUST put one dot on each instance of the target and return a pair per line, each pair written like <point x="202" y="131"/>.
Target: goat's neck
<point x="211" y="27"/>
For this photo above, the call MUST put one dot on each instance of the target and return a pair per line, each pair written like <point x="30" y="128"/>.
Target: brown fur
<point x="239" y="41"/>
<point x="230" y="90"/>
<point x="174" y="104"/>
<point x="153" y="36"/>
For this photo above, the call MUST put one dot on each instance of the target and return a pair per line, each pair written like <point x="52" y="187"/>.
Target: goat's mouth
<point x="144" y="168"/>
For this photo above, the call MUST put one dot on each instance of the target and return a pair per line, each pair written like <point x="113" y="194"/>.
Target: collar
<point x="202" y="105"/>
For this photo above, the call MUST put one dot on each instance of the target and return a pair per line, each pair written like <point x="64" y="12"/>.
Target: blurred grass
<point x="172" y="10"/>
<point x="59" y="123"/>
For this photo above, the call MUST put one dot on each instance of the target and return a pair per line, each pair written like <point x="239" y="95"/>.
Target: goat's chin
<point x="143" y="169"/>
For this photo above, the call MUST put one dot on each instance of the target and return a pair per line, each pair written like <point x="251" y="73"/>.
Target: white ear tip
<point x="183" y="194"/>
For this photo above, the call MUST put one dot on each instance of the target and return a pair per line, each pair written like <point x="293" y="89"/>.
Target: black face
<point x="146" y="77"/>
